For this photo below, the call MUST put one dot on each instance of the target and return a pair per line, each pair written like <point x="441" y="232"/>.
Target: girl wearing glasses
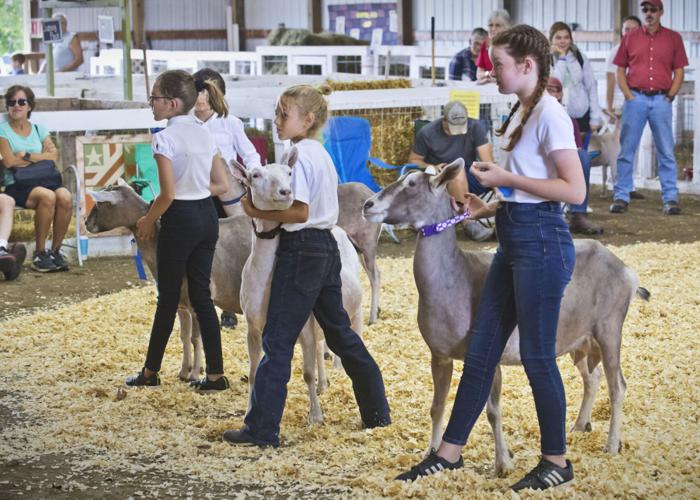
<point x="190" y="172"/>
<point x="21" y="144"/>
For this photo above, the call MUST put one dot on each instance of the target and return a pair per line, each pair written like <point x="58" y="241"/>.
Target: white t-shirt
<point x="618" y="98"/>
<point x="315" y="182"/>
<point x="229" y="136"/>
<point x="548" y="129"/>
<point x="190" y="147"/>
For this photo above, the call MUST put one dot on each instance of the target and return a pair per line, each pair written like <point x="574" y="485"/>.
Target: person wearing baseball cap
<point x="453" y="136"/>
<point x="650" y="73"/>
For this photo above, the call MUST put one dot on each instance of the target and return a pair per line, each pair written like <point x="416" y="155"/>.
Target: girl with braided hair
<point x="533" y="263"/>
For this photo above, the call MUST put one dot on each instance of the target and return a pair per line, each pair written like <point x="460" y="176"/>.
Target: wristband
<point x="27" y="156"/>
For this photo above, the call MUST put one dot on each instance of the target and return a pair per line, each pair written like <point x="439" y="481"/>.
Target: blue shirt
<point x="33" y="143"/>
<point x="462" y="66"/>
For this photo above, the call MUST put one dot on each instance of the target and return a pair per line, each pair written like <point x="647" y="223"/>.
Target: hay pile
<point x="78" y="359"/>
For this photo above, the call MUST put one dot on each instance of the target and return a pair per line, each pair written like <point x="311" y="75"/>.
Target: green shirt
<point x="33" y="143"/>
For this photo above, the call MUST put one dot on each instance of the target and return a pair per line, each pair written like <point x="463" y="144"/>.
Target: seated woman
<point x="21" y="144"/>
<point x="11" y="256"/>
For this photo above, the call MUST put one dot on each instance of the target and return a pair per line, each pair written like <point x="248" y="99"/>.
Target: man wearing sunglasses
<point x="650" y="73"/>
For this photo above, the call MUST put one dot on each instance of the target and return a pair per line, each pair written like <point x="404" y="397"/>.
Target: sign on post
<point x="105" y="29"/>
<point x="51" y="30"/>
<point x="470" y="99"/>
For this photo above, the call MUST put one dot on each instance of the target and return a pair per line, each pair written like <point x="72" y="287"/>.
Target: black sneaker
<point x="618" y="207"/>
<point x="142" y="380"/>
<point x="672" y="208"/>
<point x="43" y="263"/>
<point x="228" y="320"/>
<point x="240" y="437"/>
<point x="431" y="465"/>
<point x="7" y="261"/>
<point x="546" y="475"/>
<point x="206" y="385"/>
<point x="59" y="260"/>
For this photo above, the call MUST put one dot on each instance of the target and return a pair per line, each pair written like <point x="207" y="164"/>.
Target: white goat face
<point x="270" y="187"/>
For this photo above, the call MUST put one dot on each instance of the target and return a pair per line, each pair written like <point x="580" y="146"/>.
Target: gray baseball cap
<point x="455" y="114"/>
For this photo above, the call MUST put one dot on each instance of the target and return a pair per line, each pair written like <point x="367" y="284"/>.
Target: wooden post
<point x="238" y="17"/>
<point x="432" y="45"/>
<point x="126" y="42"/>
<point x="315" y="16"/>
<point x="138" y="23"/>
<point x="404" y="14"/>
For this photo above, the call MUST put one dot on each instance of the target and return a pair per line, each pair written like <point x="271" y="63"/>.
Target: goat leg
<point x="442" y="376"/>
<point x="504" y="463"/>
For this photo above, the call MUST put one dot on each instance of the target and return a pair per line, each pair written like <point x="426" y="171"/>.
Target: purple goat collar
<point x="433" y="229"/>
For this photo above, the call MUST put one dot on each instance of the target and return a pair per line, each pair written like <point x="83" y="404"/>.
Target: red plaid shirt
<point x="650" y="59"/>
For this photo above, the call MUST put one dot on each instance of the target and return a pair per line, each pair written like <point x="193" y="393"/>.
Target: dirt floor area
<point x="53" y="476"/>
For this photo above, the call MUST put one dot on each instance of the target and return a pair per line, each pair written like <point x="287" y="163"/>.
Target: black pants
<point x="186" y="243"/>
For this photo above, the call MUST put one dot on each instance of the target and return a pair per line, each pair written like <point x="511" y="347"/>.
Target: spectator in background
<point x="615" y="99"/>
<point x="67" y="54"/>
<point x="21" y="144"/>
<point x="578" y="214"/>
<point x="18" y="61"/>
<point x="499" y="20"/>
<point x="453" y="136"/>
<point x="463" y="64"/>
<point x="574" y="70"/>
<point x="650" y="73"/>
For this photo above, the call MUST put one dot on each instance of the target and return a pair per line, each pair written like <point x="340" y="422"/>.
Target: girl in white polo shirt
<point x="306" y="279"/>
<point x="533" y="263"/>
<point x="189" y="172"/>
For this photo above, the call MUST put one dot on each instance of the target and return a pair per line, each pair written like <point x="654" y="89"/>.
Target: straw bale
<point x="71" y="363"/>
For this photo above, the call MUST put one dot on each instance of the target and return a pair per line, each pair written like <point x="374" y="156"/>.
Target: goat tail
<point x="643" y="293"/>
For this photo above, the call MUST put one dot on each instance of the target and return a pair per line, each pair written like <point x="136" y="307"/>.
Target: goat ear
<point x="448" y="173"/>
<point x="240" y="173"/>
<point x="290" y="157"/>
<point x="106" y="196"/>
<point x="121" y="182"/>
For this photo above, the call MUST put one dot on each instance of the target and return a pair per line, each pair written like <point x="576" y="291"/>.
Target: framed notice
<point x="470" y="99"/>
<point x="51" y="30"/>
<point x="105" y="29"/>
<point x="372" y="22"/>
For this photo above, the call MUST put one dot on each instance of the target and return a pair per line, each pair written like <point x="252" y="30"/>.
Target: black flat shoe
<point x="239" y="437"/>
<point x="205" y="385"/>
<point x="141" y="380"/>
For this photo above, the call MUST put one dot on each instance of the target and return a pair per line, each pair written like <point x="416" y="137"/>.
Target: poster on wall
<point x="373" y="22"/>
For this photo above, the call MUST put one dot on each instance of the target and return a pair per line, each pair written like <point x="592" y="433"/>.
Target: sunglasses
<point x="653" y="10"/>
<point x="16" y="102"/>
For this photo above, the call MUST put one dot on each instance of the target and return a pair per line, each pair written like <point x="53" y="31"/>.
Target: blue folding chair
<point x="348" y="140"/>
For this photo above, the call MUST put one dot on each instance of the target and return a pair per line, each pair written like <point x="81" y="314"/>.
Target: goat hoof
<point x="588" y="427"/>
<point x="244" y="378"/>
<point x="511" y="454"/>
<point x="327" y="356"/>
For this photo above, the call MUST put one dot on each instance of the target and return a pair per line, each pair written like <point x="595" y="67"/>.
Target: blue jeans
<point x="635" y="114"/>
<point x="524" y="286"/>
<point x="586" y="164"/>
<point x="306" y="279"/>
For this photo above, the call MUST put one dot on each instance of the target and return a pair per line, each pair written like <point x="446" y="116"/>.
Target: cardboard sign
<point x="470" y="99"/>
<point x="51" y="30"/>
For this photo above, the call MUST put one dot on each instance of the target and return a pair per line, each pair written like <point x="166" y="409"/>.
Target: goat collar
<point x="233" y="201"/>
<point x="433" y="229"/>
<point x="267" y="235"/>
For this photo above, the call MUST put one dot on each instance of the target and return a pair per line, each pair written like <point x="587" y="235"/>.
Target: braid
<point x="522" y="41"/>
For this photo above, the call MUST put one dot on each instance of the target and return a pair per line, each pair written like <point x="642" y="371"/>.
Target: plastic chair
<point x="145" y="181"/>
<point x="348" y="141"/>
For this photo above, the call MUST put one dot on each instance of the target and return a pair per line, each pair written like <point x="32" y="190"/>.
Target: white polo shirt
<point x="548" y="129"/>
<point x="315" y="182"/>
<point x="190" y="147"/>
<point x="229" y="136"/>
